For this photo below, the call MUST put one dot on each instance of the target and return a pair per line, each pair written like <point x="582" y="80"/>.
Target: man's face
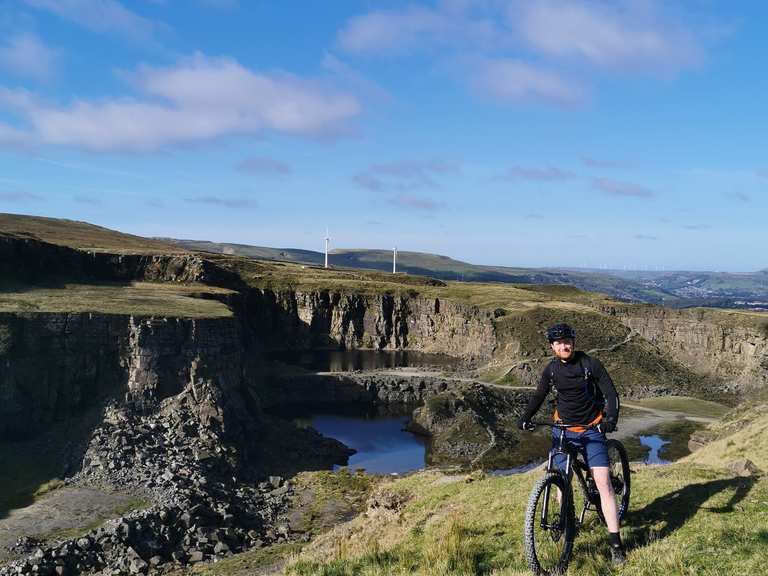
<point x="563" y="349"/>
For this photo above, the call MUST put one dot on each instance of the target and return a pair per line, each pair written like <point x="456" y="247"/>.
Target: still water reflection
<point x="350" y="360"/>
<point x="382" y="444"/>
<point x="654" y="444"/>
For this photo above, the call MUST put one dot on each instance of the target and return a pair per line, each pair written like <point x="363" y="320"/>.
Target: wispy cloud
<point x="612" y="34"/>
<point x="264" y="165"/>
<point x="524" y="45"/>
<point x="102" y="16"/>
<point x="645" y="237"/>
<point x="420" y="203"/>
<point x="697" y="226"/>
<point x="19" y="197"/>
<point x="512" y="80"/>
<point x="224" y="202"/>
<point x="405" y="176"/>
<point x="26" y="55"/>
<point x="550" y="173"/>
<point x="619" y="188"/>
<point x="199" y="100"/>
<point x="85" y="199"/>
<point x="740" y="196"/>
<point x="415" y="27"/>
<point x="762" y="173"/>
<point x="534" y="216"/>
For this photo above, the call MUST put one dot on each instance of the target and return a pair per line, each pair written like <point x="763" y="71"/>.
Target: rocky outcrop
<point x="199" y="510"/>
<point x="53" y="366"/>
<point x="352" y="389"/>
<point x="730" y="347"/>
<point x="476" y="426"/>
<point x="291" y="319"/>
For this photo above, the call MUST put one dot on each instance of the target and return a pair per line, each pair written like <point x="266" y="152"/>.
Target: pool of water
<point x="654" y="444"/>
<point x="384" y="446"/>
<point x="350" y="360"/>
<point x="382" y="443"/>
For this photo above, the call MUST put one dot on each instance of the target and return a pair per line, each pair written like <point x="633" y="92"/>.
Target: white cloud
<point x="11" y="136"/>
<point x="103" y="16"/>
<point x="605" y="33"/>
<point x="515" y="81"/>
<point x="405" y="175"/>
<point x="224" y="202"/>
<point x="619" y="188"/>
<point x="19" y="197"/>
<point x="264" y="165"/>
<point x="420" y="203"/>
<point x="199" y="100"/>
<point x="387" y="31"/>
<point x="26" y="55"/>
<point x="550" y="173"/>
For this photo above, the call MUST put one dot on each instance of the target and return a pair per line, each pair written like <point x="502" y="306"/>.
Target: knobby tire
<point x="546" y="553"/>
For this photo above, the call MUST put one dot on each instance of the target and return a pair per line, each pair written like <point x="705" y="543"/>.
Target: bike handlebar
<point x="560" y="426"/>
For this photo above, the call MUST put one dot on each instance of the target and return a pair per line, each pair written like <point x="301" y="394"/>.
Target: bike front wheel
<point x="550" y="526"/>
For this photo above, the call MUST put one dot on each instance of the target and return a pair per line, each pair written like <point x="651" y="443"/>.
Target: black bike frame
<point x="572" y="464"/>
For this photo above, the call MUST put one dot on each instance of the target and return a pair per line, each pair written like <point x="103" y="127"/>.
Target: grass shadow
<point x="667" y="513"/>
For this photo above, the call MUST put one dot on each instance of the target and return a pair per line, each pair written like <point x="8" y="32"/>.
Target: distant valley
<point x="679" y="289"/>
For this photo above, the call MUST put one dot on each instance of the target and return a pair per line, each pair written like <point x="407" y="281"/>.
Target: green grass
<point x="685" y="519"/>
<point x="134" y="503"/>
<point x="81" y="235"/>
<point x="48" y="487"/>
<point x="329" y="497"/>
<point x="690" y="406"/>
<point x="250" y="562"/>
<point x="138" y="298"/>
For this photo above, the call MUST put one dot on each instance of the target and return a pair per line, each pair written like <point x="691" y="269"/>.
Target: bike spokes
<point x="549" y="527"/>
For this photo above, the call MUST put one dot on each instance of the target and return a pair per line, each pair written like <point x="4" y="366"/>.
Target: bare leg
<point x="607" y="497"/>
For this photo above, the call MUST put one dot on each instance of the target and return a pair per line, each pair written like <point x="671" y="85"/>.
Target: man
<point x="585" y="396"/>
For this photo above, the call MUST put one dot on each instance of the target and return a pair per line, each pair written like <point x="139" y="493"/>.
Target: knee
<point x="603" y="482"/>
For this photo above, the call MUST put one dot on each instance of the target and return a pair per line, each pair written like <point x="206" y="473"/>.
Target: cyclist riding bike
<point x="584" y="395"/>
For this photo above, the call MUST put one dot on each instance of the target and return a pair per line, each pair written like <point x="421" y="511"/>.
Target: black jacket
<point x="583" y="389"/>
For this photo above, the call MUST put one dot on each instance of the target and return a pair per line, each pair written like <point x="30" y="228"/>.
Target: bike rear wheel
<point x="620" y="475"/>
<point x="549" y="526"/>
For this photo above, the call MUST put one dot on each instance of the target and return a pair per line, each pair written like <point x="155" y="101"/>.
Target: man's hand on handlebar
<point x="526" y="425"/>
<point x="607" y="426"/>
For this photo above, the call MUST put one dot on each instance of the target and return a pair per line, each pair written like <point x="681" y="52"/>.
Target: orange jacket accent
<point x="578" y="428"/>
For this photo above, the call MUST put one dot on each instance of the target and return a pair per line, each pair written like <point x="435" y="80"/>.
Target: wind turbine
<point x="394" y="261"/>
<point x="327" y="241"/>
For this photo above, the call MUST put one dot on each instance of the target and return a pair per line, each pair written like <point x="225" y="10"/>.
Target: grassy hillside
<point x="521" y="312"/>
<point x="257" y="252"/>
<point x="137" y="298"/>
<point x="692" y="518"/>
<point x="443" y="267"/>
<point x="680" y="289"/>
<point x="81" y="235"/>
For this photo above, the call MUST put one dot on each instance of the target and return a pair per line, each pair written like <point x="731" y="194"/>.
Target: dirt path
<point x="66" y="509"/>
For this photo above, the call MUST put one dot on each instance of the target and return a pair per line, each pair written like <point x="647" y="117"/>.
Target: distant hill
<point x="678" y="289"/>
<point x="80" y="235"/>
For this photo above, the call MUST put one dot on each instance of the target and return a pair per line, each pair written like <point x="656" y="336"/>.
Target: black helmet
<point x="559" y="332"/>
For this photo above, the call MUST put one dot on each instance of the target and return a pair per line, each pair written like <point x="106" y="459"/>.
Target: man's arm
<point x="537" y="399"/>
<point x="605" y="383"/>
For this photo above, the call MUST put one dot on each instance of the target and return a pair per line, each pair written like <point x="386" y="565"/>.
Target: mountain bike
<point x="550" y="521"/>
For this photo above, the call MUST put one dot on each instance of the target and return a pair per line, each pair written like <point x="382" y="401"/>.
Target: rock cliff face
<point x="289" y="319"/>
<point x="53" y="366"/>
<point x="704" y="341"/>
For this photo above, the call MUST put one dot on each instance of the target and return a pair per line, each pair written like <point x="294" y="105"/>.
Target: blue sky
<point x="512" y="132"/>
